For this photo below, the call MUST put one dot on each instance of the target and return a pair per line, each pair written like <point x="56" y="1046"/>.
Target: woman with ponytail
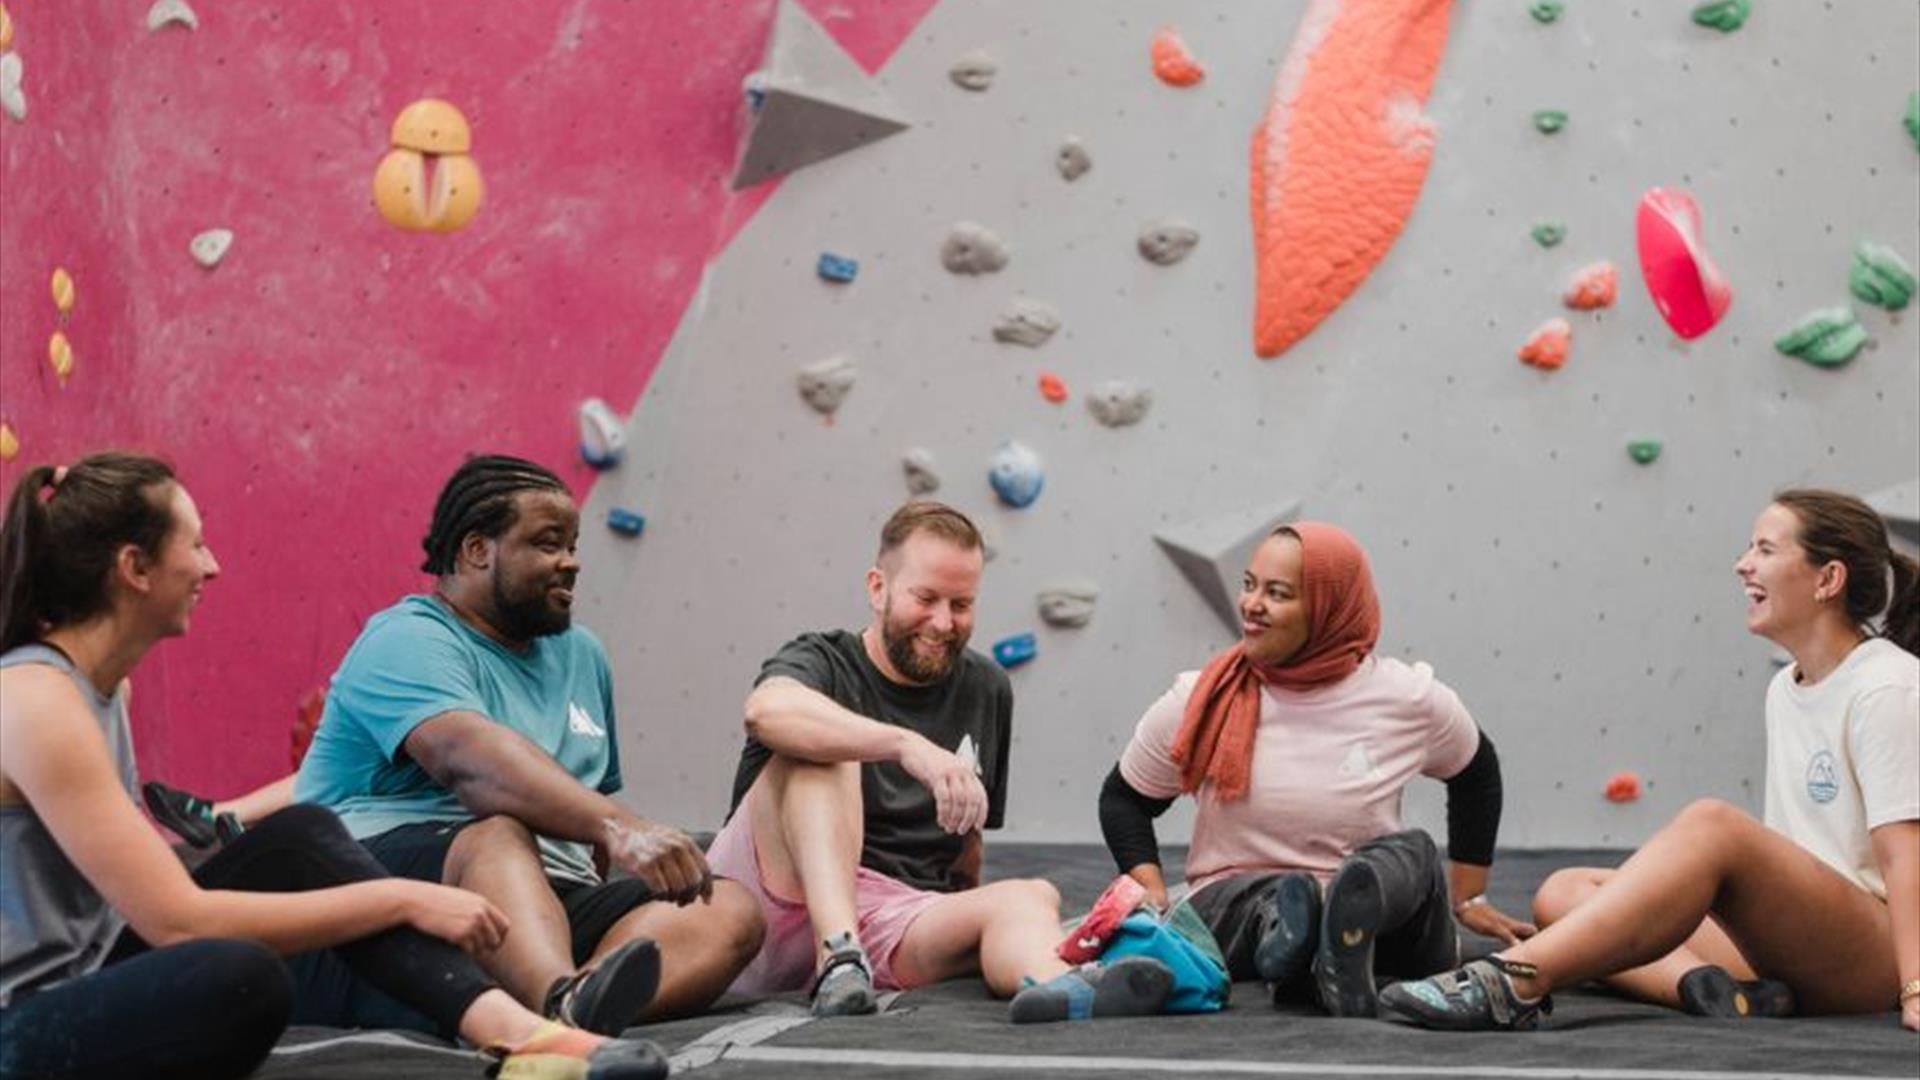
<point x="1818" y="909"/>
<point x="114" y="961"/>
<point x="1296" y="744"/>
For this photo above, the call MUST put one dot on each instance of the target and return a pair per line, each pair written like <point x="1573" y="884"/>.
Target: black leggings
<point x="213" y="1008"/>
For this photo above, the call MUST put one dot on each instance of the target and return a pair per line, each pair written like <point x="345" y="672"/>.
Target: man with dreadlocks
<point x="468" y="739"/>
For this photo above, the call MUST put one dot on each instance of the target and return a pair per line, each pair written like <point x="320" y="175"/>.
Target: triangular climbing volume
<point x="810" y="101"/>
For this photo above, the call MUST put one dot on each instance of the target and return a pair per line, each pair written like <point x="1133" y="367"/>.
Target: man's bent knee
<point x="741" y="926"/>
<point x="1712" y="815"/>
<point x="494" y="835"/>
<point x="1027" y="893"/>
<point x="1565" y="890"/>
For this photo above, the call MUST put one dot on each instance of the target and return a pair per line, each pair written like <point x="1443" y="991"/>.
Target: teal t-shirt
<point x="417" y="660"/>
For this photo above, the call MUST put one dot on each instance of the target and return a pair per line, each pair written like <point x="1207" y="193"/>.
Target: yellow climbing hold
<point x="9" y="443"/>
<point x="60" y="355"/>
<point x="62" y="289"/>
<point x="427" y="181"/>
<point x="432" y="126"/>
<point x="6" y="29"/>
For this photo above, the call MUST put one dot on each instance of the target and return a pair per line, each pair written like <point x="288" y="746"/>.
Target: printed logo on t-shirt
<point x="581" y="724"/>
<point x="1357" y="763"/>
<point x="965" y="752"/>
<point x="1823" y="785"/>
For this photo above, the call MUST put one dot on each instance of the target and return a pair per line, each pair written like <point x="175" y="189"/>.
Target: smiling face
<point x="1786" y="592"/>
<point x="175" y="575"/>
<point x="923" y="596"/>
<point x="1273" y="611"/>
<point x="534" y="566"/>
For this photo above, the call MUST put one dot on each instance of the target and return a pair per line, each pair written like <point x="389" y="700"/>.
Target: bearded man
<point x="469" y="739"/>
<point x="873" y="760"/>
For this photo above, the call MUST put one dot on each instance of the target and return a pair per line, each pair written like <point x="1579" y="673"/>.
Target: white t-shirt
<point x="1329" y="765"/>
<point x="1843" y="756"/>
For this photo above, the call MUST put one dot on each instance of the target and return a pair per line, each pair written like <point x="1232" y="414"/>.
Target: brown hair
<point x="1840" y="528"/>
<point x="925" y="515"/>
<point x="63" y="530"/>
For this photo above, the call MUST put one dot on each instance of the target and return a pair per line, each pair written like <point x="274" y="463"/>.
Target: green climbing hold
<point x="1881" y="277"/>
<point x="1548" y="233"/>
<point x="1827" y="338"/>
<point x="1912" y="119"/>
<point x="1550" y="120"/>
<point x="1546" y="11"/>
<point x="1644" y="451"/>
<point x="1725" y="16"/>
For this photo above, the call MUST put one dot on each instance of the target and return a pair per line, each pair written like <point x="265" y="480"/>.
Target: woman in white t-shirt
<point x="1818" y="909"/>
<point x="1296" y="743"/>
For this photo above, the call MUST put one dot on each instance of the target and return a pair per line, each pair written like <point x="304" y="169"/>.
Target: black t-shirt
<point x="973" y="705"/>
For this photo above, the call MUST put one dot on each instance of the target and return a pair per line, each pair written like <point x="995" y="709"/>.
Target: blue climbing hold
<point x="626" y="522"/>
<point x="1011" y="652"/>
<point x="1016" y="475"/>
<point x="837" y="267"/>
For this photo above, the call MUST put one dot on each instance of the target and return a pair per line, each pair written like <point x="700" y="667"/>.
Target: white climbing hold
<point x="1072" y="160"/>
<point x="1119" y="402"/>
<point x="167" y="12"/>
<point x="1164" y="243"/>
<point x="825" y="384"/>
<point x="1016" y="474"/>
<point x="973" y="71"/>
<point x="603" y="439"/>
<point x="973" y="249"/>
<point x="1068" y="604"/>
<point x="211" y="246"/>
<point x="917" y="463"/>
<point x="1026" y="322"/>
<point x="13" y="97"/>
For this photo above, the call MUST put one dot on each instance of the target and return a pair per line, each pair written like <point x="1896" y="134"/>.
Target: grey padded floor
<point x="954" y="1030"/>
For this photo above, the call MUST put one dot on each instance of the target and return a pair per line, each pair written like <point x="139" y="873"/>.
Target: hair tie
<point x="59" y="475"/>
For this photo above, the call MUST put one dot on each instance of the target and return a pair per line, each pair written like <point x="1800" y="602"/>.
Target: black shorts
<point x="419" y="851"/>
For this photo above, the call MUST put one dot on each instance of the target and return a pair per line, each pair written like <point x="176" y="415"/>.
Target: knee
<point x="252" y="992"/>
<point x="1565" y="890"/>
<point x="1715" y="816"/>
<point x="1030" y="894"/>
<point x="302" y="824"/>
<point x="495" y="833"/>
<point x="742" y="925"/>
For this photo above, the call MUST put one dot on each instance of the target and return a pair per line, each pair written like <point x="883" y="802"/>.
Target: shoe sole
<point x="1349" y="925"/>
<point x="1133" y="986"/>
<point x="1718" y="994"/>
<point x="618" y="989"/>
<point x="1286" y="952"/>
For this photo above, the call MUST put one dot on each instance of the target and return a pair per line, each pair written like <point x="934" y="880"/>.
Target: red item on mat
<point x="1085" y="943"/>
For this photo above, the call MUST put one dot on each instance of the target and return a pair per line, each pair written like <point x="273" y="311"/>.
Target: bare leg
<point x="808" y="825"/>
<point x="1005" y="931"/>
<point x="702" y="947"/>
<point x="495" y="1019"/>
<point x="1659" y="981"/>
<point x="259" y="802"/>
<point x="1794" y="917"/>
<point x="496" y="857"/>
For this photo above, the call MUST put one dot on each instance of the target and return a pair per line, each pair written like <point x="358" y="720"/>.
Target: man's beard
<point x="898" y="641"/>
<point x="523" y="618"/>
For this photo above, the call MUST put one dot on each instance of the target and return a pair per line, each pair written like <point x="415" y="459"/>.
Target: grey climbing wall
<point x="1582" y="604"/>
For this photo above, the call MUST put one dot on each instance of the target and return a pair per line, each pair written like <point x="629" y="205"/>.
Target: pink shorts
<point x="884" y="908"/>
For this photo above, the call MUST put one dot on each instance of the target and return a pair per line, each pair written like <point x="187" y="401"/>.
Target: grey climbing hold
<point x="1212" y="554"/>
<point x="973" y="249"/>
<point x="171" y="12"/>
<point x="1072" y="159"/>
<point x="1068" y="604"/>
<point x="603" y="439"/>
<point x="973" y="71"/>
<point x="210" y="247"/>
<point x="1119" y="402"/>
<point x="1167" y="242"/>
<point x="825" y="384"/>
<point x="917" y="463"/>
<point x="1026" y="322"/>
<point x="13" y="96"/>
<point x="1016" y="474"/>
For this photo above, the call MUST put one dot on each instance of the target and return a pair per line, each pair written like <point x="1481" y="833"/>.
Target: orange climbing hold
<point x="1339" y="159"/>
<point x="1052" y="387"/>
<point x="60" y="355"/>
<point x="1172" y="61"/>
<point x="1595" y="286"/>
<point x="1549" y="345"/>
<point x="1623" y="787"/>
<point x="9" y="443"/>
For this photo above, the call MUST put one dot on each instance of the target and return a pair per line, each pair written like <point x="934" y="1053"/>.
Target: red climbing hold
<point x="1549" y="345"/>
<point x="1624" y="787"/>
<point x="1595" y="286"/>
<point x="1052" y="387"/>
<point x="1687" y="288"/>
<point x="1172" y="62"/>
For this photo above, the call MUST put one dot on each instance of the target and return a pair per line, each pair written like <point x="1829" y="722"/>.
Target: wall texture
<point x="1582" y="604"/>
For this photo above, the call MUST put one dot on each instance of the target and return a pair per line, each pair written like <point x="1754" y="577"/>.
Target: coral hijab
<point x="1215" y="740"/>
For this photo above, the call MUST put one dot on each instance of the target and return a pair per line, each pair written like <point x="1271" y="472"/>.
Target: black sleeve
<point x="1473" y="807"/>
<point x="1126" y="820"/>
<point x="1003" y="728"/>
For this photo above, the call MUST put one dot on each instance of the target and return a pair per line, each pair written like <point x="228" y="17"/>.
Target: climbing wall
<point x="1578" y="596"/>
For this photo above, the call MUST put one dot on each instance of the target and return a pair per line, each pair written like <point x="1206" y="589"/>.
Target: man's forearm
<point x="507" y="774"/>
<point x="799" y="722"/>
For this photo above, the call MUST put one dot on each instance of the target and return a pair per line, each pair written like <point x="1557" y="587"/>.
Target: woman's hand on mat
<point x="959" y="799"/>
<point x="463" y="918"/>
<point x="662" y="856"/>
<point x="1489" y="921"/>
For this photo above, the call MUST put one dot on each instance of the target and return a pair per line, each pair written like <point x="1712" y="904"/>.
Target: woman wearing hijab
<point x="1296" y="743"/>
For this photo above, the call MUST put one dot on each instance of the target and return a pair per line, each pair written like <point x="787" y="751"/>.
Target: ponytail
<point x="1902" y="626"/>
<point x="22" y="533"/>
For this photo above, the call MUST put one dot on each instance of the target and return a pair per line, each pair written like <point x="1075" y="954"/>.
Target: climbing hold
<point x="1011" y="652"/>
<point x="1549" y="121"/>
<point x="1072" y="159"/>
<point x="838" y="268"/>
<point x="1026" y="322"/>
<point x="13" y="97"/>
<point x="1548" y="233"/>
<point x="603" y="439"/>
<point x="1119" y="402"/>
<point x="6" y="29"/>
<point x="1725" y="16"/>
<point x="429" y="132"/>
<point x="1016" y="475"/>
<point x="171" y="12"/>
<point x="973" y="249"/>
<point x="1340" y="156"/>
<point x="1623" y="787"/>
<point x="1068" y="604"/>
<point x="626" y="522"/>
<point x="1173" y="62"/>
<point x="973" y="71"/>
<point x="1212" y="553"/>
<point x="1881" y="277"/>
<point x="210" y="247"/>
<point x="62" y="288"/>
<point x="1546" y="11"/>
<point x="825" y="383"/>
<point x="1052" y="387"/>
<point x="1593" y="286"/>
<point x="1912" y="118"/>
<point x="1644" y="451"/>
<point x="9" y="443"/>
<point x="1167" y="242"/>
<point x="917" y="463"/>
<point x="1827" y="338"/>
<point x="1549" y="344"/>
<point x="1686" y="286"/>
<point x="60" y="355"/>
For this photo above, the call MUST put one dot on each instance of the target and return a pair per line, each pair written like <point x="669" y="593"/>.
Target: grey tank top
<point x="53" y="925"/>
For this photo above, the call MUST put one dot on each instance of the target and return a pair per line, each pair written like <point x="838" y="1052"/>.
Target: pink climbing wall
<point x="316" y="388"/>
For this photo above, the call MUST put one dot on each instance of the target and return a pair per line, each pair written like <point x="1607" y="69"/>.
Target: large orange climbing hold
<point x="1623" y="787"/>
<point x="1339" y="159"/>
<point x="1172" y="61"/>
<point x="1593" y="287"/>
<point x="1549" y="345"/>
